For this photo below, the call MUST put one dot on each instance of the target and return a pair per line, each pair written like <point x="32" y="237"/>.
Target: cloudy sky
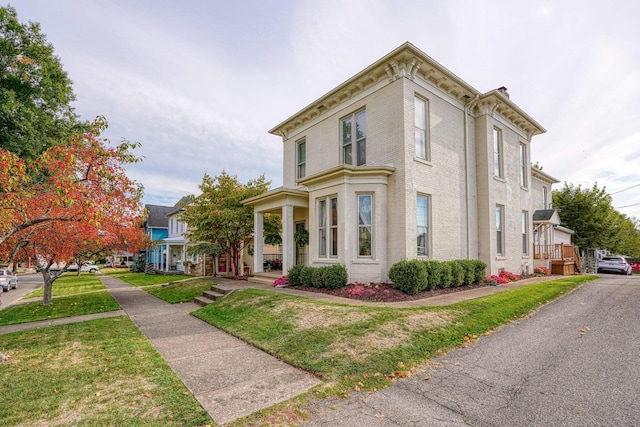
<point x="200" y="82"/>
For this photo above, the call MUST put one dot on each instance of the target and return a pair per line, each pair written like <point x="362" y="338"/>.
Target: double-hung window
<point x="523" y="165"/>
<point x="497" y="153"/>
<point x="422" y="221"/>
<point x="420" y="123"/>
<point x="499" y="230"/>
<point x="365" y="226"/>
<point x="525" y="232"/>
<point x="354" y="133"/>
<point x="328" y="227"/>
<point x="301" y="154"/>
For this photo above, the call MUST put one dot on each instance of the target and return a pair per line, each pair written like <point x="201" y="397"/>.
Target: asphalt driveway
<point x="573" y="363"/>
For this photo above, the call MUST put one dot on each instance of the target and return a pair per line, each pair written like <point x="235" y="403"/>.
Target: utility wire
<point x="628" y="206"/>
<point x="625" y="189"/>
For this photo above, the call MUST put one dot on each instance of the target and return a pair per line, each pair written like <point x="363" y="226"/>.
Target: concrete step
<point x="214" y="294"/>
<point x="263" y="280"/>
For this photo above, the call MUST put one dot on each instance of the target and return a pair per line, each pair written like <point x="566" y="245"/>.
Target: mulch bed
<point x="382" y="292"/>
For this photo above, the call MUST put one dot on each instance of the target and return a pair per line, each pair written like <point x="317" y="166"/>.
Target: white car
<point x="85" y="268"/>
<point x="614" y="264"/>
<point x="8" y="280"/>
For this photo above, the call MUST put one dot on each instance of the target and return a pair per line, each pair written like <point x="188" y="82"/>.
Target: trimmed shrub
<point x="479" y="270"/>
<point x="446" y="276"/>
<point x="434" y="275"/>
<point x="306" y="276"/>
<point x="335" y="276"/>
<point x="457" y="273"/>
<point x="329" y="276"/>
<point x="295" y="275"/>
<point x="409" y="276"/>
<point x="469" y="271"/>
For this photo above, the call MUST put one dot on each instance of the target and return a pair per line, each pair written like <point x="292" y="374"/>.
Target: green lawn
<point x="65" y="306"/>
<point x="97" y="373"/>
<point x="357" y="347"/>
<point x="181" y="291"/>
<point x="142" y="279"/>
<point x="70" y="283"/>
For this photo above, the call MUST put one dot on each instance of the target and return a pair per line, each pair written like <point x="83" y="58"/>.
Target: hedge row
<point x="414" y="276"/>
<point x="330" y="276"/>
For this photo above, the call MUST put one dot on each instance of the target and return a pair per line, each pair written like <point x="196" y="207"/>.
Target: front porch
<point x="293" y="206"/>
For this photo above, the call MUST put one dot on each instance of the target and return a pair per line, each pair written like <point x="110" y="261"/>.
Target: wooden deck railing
<point x="558" y="251"/>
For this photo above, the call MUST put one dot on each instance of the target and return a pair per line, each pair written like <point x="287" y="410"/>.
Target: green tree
<point x="590" y="214"/>
<point x="218" y="216"/>
<point x="629" y="237"/>
<point x="35" y="92"/>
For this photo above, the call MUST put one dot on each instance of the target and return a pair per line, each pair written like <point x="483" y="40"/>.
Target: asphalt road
<point x="26" y="283"/>
<point x="575" y="362"/>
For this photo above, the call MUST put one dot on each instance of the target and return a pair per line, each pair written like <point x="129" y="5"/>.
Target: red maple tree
<point x="72" y="199"/>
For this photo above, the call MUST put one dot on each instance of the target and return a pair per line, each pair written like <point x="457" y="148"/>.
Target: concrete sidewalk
<point x="229" y="377"/>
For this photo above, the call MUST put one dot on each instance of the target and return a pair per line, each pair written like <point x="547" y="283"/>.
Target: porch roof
<point x="274" y="199"/>
<point x="546" y="216"/>
<point x="178" y="240"/>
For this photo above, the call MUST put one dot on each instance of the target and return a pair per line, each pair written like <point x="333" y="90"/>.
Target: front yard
<point x="105" y="372"/>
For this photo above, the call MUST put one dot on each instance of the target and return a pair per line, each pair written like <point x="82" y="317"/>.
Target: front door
<point x="300" y="249"/>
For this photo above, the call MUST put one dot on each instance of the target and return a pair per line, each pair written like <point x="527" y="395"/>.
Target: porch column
<point x="168" y="260"/>
<point x="258" y="242"/>
<point x="288" y="246"/>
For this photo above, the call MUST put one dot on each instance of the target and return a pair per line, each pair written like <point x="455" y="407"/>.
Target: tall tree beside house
<point x="590" y="214"/>
<point x="218" y="216"/>
<point x="35" y="92"/>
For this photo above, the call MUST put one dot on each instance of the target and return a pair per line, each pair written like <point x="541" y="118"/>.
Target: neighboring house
<point x="176" y="241"/>
<point x="406" y="160"/>
<point x="157" y="228"/>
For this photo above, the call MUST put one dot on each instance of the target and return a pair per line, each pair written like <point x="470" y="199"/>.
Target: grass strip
<point x="70" y="283"/>
<point x="180" y="291"/>
<point x="143" y="279"/>
<point x="65" y="306"/>
<point x="96" y="373"/>
<point x="357" y="347"/>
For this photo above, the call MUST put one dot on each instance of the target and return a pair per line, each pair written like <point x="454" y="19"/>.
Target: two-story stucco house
<point x="406" y="160"/>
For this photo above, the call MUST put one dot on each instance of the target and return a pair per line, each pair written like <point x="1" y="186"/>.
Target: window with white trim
<point x="499" y="230"/>
<point x="328" y="227"/>
<point x="421" y="109"/>
<point x="365" y="225"/>
<point x="523" y="165"/>
<point x="525" y="233"/>
<point x="301" y="158"/>
<point x="497" y="153"/>
<point x="422" y="222"/>
<point x="354" y="137"/>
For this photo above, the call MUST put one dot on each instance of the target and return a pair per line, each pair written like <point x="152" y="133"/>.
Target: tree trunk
<point x="48" y="286"/>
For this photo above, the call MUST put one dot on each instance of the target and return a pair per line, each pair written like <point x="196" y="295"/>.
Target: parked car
<point x="614" y="264"/>
<point x="86" y="267"/>
<point x="8" y="280"/>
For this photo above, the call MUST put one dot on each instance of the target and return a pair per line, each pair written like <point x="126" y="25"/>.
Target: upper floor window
<point x="523" y="165"/>
<point x="357" y="137"/>
<point x="422" y="221"/>
<point x="500" y="229"/>
<point x="544" y="198"/>
<point x="365" y="225"/>
<point x="301" y="160"/>
<point x="497" y="153"/>
<point x="328" y="227"/>
<point x="421" y="123"/>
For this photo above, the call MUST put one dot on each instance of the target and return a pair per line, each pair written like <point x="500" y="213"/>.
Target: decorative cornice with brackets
<point x="409" y="62"/>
